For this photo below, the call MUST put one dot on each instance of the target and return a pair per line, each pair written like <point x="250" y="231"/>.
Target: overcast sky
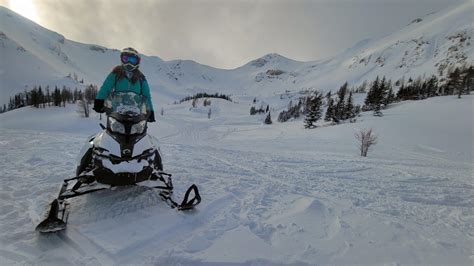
<point x="226" y="33"/>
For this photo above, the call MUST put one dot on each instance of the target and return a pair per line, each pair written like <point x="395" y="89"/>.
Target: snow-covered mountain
<point x="33" y="55"/>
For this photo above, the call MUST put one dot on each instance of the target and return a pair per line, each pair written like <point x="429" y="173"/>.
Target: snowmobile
<point x="121" y="154"/>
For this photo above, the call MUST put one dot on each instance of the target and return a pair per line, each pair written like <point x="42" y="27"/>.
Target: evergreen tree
<point x="370" y="99"/>
<point x="268" y="119"/>
<point x="64" y="96"/>
<point x="349" y="111"/>
<point x="27" y="98"/>
<point x="34" y="98"/>
<point x="252" y="110"/>
<point x="339" y="109"/>
<point x="390" y="98"/>
<point x="381" y="93"/>
<point x="432" y="86"/>
<point x="454" y="82"/>
<point x="48" y="97"/>
<point x="468" y="79"/>
<point x="330" y="110"/>
<point x="362" y="87"/>
<point x="40" y="97"/>
<point x="57" y="97"/>
<point x="10" y="104"/>
<point x="328" y="96"/>
<point x="314" y="111"/>
<point x="75" y="95"/>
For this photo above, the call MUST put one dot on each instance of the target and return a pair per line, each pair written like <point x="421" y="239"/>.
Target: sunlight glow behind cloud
<point x="25" y="8"/>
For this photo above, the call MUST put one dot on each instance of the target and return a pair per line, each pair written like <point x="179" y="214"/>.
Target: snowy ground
<point x="274" y="194"/>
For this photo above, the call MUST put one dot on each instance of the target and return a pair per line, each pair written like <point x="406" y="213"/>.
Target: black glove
<point x="99" y="106"/>
<point x="151" y="117"/>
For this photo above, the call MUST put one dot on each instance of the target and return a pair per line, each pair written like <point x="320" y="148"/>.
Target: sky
<point x="226" y="33"/>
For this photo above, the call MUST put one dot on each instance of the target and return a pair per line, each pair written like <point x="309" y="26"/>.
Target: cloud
<point x="228" y="34"/>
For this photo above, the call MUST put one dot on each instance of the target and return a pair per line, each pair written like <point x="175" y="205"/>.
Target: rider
<point x="124" y="78"/>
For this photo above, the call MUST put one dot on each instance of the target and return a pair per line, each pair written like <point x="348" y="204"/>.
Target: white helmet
<point x="130" y="58"/>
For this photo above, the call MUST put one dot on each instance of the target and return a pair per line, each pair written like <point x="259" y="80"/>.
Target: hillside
<point x="427" y="45"/>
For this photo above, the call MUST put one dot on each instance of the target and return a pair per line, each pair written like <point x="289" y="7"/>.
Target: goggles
<point x="132" y="59"/>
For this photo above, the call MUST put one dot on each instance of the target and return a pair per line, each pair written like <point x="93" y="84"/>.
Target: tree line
<point x="379" y="96"/>
<point x="40" y="98"/>
<point x="205" y="95"/>
<point x="459" y="81"/>
<point x="339" y="108"/>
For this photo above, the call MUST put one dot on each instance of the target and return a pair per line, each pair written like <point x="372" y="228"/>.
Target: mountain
<point x="33" y="55"/>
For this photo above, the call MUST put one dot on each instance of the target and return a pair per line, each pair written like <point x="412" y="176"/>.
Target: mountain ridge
<point x="428" y="45"/>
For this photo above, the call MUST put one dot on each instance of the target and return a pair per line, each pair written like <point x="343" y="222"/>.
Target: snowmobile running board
<point x="56" y="219"/>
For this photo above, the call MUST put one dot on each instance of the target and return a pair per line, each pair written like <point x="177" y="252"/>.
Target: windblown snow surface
<point x="272" y="194"/>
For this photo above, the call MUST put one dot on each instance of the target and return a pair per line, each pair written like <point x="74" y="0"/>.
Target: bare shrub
<point x="366" y="138"/>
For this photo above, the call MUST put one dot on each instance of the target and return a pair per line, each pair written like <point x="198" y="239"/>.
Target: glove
<point x="99" y="106"/>
<point x="151" y="117"/>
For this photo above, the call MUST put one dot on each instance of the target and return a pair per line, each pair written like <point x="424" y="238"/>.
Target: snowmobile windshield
<point x="127" y="104"/>
<point x="127" y="113"/>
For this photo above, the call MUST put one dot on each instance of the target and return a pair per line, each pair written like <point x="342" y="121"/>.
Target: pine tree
<point x="370" y="99"/>
<point x="27" y="98"/>
<point x="390" y="97"/>
<point x="349" y="107"/>
<point x="57" y="97"/>
<point x="328" y="96"/>
<point x="253" y="110"/>
<point x="48" y="97"/>
<point x="454" y="81"/>
<point x="432" y="86"/>
<point x="314" y="111"/>
<point x="381" y="92"/>
<point x="66" y="96"/>
<point x="268" y="119"/>
<point x="330" y="110"/>
<point x="40" y="97"/>
<point x="339" y="109"/>
<point x="34" y="97"/>
<point x="468" y="80"/>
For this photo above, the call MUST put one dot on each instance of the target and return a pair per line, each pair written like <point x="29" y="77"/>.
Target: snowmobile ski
<point x="53" y="223"/>
<point x="56" y="219"/>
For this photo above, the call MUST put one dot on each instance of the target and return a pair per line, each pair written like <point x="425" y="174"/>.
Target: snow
<point x="272" y="194"/>
<point x="276" y="194"/>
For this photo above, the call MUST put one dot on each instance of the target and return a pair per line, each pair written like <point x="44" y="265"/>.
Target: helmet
<point x="130" y="58"/>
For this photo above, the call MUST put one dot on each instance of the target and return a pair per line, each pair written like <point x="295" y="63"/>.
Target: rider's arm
<point x="106" y="87"/>
<point x="147" y="94"/>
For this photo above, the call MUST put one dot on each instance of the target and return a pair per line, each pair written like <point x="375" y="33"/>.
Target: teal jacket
<point x="124" y="85"/>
